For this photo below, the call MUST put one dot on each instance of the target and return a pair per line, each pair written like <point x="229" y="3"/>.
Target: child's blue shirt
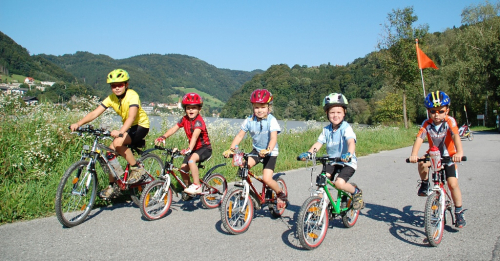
<point x="336" y="141"/>
<point x="260" y="131"/>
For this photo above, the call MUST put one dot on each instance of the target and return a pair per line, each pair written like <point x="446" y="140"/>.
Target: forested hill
<point x="17" y="60"/>
<point x="298" y="91"/>
<point x="154" y="75"/>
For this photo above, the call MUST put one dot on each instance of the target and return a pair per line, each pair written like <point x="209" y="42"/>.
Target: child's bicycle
<point x="466" y="132"/>
<point x="77" y="190"/>
<point x="314" y="215"/>
<point x="437" y="202"/>
<point x="157" y="196"/>
<point x="238" y="205"/>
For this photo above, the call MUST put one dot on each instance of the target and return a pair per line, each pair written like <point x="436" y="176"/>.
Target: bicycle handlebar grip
<point x="407" y="160"/>
<point x="464" y="158"/>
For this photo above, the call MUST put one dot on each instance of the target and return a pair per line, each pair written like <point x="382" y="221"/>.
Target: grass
<point x="207" y="98"/>
<point x="36" y="149"/>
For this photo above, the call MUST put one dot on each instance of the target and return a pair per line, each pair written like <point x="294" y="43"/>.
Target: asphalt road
<point x="389" y="228"/>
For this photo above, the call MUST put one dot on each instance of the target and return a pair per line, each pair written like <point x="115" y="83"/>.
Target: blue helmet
<point x="436" y="99"/>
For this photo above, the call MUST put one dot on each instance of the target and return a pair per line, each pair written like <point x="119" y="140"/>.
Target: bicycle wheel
<point x="154" y="167"/>
<point x="216" y="186"/>
<point x="155" y="200"/>
<point x="234" y="217"/>
<point x="76" y="194"/>
<point x="471" y="136"/>
<point x="310" y="229"/>
<point x="349" y="217"/>
<point x="273" y="208"/>
<point x="434" y="219"/>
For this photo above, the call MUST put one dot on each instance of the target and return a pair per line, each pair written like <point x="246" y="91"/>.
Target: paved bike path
<point x="389" y="228"/>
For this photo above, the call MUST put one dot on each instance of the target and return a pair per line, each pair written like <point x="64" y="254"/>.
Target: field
<point x="207" y="98"/>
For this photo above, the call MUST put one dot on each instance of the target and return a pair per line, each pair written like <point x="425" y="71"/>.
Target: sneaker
<point x="358" y="202"/>
<point x="193" y="189"/>
<point x="459" y="219"/>
<point x="109" y="192"/>
<point x="136" y="174"/>
<point x="423" y="191"/>
<point x="282" y="200"/>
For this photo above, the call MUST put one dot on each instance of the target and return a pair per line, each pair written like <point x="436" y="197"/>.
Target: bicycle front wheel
<point x="310" y="229"/>
<point x="76" y="194"/>
<point x="216" y="188"/>
<point x="155" y="200"/>
<point x="234" y="217"/>
<point x="471" y="136"/>
<point x="154" y="167"/>
<point x="434" y="219"/>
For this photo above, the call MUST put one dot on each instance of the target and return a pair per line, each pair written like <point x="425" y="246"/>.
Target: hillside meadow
<point x="37" y="148"/>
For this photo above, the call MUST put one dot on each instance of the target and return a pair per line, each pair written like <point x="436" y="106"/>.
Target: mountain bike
<point x="238" y="205"/>
<point x="466" y="132"/>
<point x="157" y="196"/>
<point x="437" y="202"/>
<point x="322" y="205"/>
<point x="77" y="190"/>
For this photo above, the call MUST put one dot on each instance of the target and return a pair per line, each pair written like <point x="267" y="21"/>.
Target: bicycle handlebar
<point x="90" y="129"/>
<point x="445" y="159"/>
<point x="246" y="155"/>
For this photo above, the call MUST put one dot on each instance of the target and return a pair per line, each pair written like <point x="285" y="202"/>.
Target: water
<point x="156" y="122"/>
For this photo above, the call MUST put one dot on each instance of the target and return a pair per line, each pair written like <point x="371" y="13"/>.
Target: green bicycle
<point x="321" y="206"/>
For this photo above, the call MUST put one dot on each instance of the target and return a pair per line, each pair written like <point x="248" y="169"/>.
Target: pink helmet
<point x="261" y="96"/>
<point x="192" y="99"/>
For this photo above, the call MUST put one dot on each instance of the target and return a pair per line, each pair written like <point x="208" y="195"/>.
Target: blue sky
<point x="237" y="34"/>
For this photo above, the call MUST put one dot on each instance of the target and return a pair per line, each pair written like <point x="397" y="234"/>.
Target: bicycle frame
<point x="169" y="169"/>
<point x="322" y="183"/>
<point x="248" y="186"/>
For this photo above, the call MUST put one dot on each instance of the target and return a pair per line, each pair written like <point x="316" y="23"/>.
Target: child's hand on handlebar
<point x="160" y="140"/>
<point x="263" y="153"/>
<point x="227" y="153"/>
<point x="346" y="157"/>
<point x="74" y="127"/>
<point x="305" y="156"/>
<point x="413" y="159"/>
<point x="457" y="157"/>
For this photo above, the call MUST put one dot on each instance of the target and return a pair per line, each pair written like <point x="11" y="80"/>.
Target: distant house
<point x="47" y="83"/>
<point x="147" y="109"/>
<point x="30" y="100"/>
<point x="29" y="80"/>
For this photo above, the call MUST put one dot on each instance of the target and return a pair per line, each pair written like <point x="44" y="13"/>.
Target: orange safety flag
<point x="424" y="61"/>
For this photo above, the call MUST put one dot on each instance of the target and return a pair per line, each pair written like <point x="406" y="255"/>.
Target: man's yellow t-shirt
<point x="122" y="106"/>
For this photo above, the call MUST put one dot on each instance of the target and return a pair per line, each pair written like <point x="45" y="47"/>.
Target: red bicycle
<point x="157" y="196"/>
<point x="238" y="205"/>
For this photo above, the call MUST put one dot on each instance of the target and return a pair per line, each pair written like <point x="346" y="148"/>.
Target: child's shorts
<point x="346" y="172"/>
<point x="451" y="171"/>
<point x="137" y="134"/>
<point x="268" y="161"/>
<point x="204" y="153"/>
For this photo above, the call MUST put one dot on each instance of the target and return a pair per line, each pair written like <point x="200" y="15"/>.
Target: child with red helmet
<point x="441" y="131"/>
<point x="199" y="148"/>
<point x="263" y="128"/>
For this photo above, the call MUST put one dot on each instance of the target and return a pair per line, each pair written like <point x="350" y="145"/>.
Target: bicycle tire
<point x="470" y="137"/>
<point x="216" y="185"/>
<point x="154" y="166"/>
<point x="155" y="201"/>
<point x="273" y="208"/>
<point x="349" y="217"/>
<point x="76" y="194"/>
<point x="311" y="234"/>
<point x="434" y="224"/>
<point x="234" y="219"/>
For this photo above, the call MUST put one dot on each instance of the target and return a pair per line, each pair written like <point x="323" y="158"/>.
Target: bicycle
<point x="238" y="205"/>
<point x="321" y="206"/>
<point x="157" y="196"/>
<point x="437" y="202"/>
<point x="466" y="132"/>
<point x="77" y="190"/>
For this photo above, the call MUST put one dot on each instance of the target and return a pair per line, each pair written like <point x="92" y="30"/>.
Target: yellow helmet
<point x="118" y="75"/>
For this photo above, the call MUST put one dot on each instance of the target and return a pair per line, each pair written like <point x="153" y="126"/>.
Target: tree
<point x="397" y="51"/>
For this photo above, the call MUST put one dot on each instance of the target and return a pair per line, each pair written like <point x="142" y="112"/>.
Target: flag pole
<point x="421" y="73"/>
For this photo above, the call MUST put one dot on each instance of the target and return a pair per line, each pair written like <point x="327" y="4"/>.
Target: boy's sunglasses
<point x="434" y="111"/>
<point x="117" y="85"/>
